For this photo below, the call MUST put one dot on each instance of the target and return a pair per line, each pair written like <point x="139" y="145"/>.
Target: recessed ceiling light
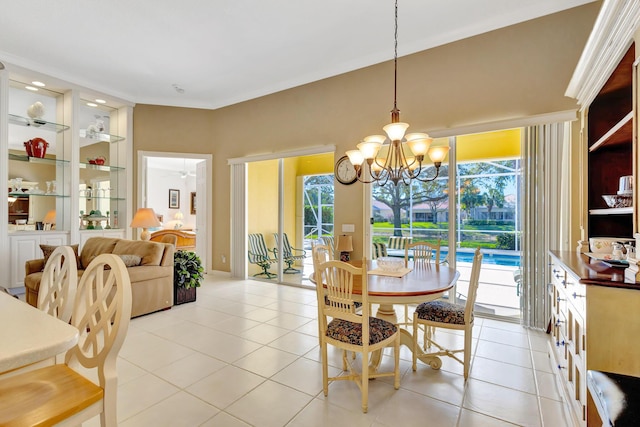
<point x="37" y="83"/>
<point x="101" y="101"/>
<point x="35" y="89"/>
<point x="92" y="104"/>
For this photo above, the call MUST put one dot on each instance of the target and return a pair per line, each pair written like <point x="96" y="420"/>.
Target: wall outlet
<point x="223" y="258"/>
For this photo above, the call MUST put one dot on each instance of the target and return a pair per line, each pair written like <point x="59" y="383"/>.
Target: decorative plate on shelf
<point x="604" y="257"/>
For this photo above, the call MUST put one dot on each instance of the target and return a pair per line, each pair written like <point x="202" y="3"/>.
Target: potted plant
<point x="187" y="275"/>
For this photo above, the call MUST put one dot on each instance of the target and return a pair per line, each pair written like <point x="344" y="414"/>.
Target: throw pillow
<point x="131" y="260"/>
<point x="47" y="250"/>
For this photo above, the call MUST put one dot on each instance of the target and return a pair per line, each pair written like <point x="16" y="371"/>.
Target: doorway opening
<point x="176" y="187"/>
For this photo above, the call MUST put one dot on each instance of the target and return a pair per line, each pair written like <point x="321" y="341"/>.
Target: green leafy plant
<point x="187" y="270"/>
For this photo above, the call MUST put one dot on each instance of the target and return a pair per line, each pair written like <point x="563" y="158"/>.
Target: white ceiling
<point x="225" y="51"/>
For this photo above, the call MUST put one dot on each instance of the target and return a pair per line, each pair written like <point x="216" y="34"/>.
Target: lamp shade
<point x="345" y="243"/>
<point x="178" y="215"/>
<point x="145" y="218"/>
<point x="50" y="217"/>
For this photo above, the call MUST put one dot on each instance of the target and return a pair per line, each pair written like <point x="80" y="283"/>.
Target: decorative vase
<point x="38" y="147"/>
<point x="183" y="295"/>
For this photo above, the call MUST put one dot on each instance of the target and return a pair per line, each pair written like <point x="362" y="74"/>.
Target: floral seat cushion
<point x="442" y="312"/>
<point x="351" y="333"/>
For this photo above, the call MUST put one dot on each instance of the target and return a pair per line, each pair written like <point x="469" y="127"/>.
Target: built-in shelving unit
<point x="610" y="151"/>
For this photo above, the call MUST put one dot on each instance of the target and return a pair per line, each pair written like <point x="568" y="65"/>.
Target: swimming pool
<point x="506" y="259"/>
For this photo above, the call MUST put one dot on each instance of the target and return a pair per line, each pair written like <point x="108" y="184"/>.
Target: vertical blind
<point x="545" y="150"/>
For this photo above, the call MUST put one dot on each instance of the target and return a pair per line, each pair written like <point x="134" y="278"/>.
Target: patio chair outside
<point x="259" y="254"/>
<point x="289" y="254"/>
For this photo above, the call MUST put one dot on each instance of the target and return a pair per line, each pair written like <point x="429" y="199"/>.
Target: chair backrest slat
<point x="330" y="242"/>
<point x="422" y="252"/>
<point x="257" y="245"/>
<point x="398" y="242"/>
<point x="379" y="250"/>
<point x="59" y="283"/>
<point x="338" y="277"/>
<point x="474" y="282"/>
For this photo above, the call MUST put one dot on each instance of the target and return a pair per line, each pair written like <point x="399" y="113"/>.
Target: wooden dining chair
<point x="349" y="330"/>
<point x="58" y="284"/>
<point x="443" y="314"/>
<point x="60" y="393"/>
<point x="422" y="253"/>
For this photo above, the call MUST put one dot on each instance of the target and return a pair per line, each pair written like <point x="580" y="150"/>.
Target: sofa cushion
<point x="47" y="250"/>
<point x="96" y="246"/>
<point x="150" y="252"/>
<point x="148" y="272"/>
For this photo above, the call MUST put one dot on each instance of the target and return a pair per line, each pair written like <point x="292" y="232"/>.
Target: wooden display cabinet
<point x="611" y="152"/>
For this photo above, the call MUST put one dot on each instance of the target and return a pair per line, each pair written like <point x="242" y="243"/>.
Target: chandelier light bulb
<point x="395" y="131"/>
<point x="419" y="147"/>
<point x="369" y="149"/>
<point x="355" y="157"/>
<point x="438" y="154"/>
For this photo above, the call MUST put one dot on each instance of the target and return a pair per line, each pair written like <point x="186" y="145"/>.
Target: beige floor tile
<point x="222" y="419"/>
<point x="137" y="395"/>
<point x="269" y="404"/>
<point x="225" y="386"/>
<point x="554" y="413"/>
<point x="505" y="337"/>
<point x="504" y="353"/>
<point x="503" y="403"/>
<point x="542" y="362"/>
<point x="474" y="419"/>
<point x="263" y="333"/>
<point x="438" y="384"/>
<point x="504" y="374"/>
<point x="289" y="321"/>
<point x="295" y="342"/>
<point x="406" y="408"/>
<point x="304" y="375"/>
<point x="178" y="410"/>
<point x="184" y="372"/>
<point x="235" y="325"/>
<point x="266" y="361"/>
<point x="319" y="413"/>
<point x="547" y="386"/>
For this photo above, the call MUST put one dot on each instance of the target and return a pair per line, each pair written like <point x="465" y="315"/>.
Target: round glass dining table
<point x="424" y="282"/>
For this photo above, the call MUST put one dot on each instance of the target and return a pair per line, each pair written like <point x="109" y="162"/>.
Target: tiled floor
<point x="246" y="353"/>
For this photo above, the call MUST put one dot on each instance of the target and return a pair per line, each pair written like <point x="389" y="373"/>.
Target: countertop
<point x="593" y="272"/>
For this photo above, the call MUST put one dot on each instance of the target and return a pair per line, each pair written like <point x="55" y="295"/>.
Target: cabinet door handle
<point x="575" y="295"/>
<point x="560" y="343"/>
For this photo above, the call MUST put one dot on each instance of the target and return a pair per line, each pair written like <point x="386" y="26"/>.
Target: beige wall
<point x="513" y="72"/>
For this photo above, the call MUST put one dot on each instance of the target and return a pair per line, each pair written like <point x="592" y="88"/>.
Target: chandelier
<point x="385" y="156"/>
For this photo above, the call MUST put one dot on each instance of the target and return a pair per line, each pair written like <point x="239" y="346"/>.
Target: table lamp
<point x="145" y="218"/>
<point x="345" y="245"/>
<point x="178" y="217"/>
<point x="49" y="220"/>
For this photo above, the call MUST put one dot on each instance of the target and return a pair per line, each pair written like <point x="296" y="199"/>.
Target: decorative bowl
<point x="21" y="221"/>
<point x="618" y="201"/>
<point x="391" y="264"/>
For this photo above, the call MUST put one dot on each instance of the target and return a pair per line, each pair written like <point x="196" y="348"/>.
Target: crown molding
<point x="611" y="37"/>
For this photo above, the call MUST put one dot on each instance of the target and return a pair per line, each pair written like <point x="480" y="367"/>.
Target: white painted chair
<point x="59" y="394"/>
<point x="443" y="314"/>
<point x="349" y="330"/>
<point x="422" y="253"/>
<point x="59" y="284"/>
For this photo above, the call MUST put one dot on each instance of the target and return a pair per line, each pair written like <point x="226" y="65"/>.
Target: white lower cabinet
<point x="25" y="246"/>
<point x="87" y="234"/>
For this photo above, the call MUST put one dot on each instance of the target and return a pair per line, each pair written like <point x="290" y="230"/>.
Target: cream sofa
<point x="151" y="280"/>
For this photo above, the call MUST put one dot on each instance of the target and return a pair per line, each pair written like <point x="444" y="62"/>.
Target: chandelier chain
<point x="395" y="60"/>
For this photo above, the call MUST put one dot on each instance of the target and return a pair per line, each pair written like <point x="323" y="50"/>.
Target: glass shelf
<point x="102" y="198"/>
<point x="105" y="168"/>
<point x="42" y="160"/>
<point x="41" y="124"/>
<point x="22" y="194"/>
<point x="100" y="137"/>
<point x="611" y="211"/>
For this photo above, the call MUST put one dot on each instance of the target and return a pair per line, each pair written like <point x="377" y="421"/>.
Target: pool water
<point x="487" y="258"/>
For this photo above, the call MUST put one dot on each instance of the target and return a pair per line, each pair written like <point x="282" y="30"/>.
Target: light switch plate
<point x="348" y="228"/>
